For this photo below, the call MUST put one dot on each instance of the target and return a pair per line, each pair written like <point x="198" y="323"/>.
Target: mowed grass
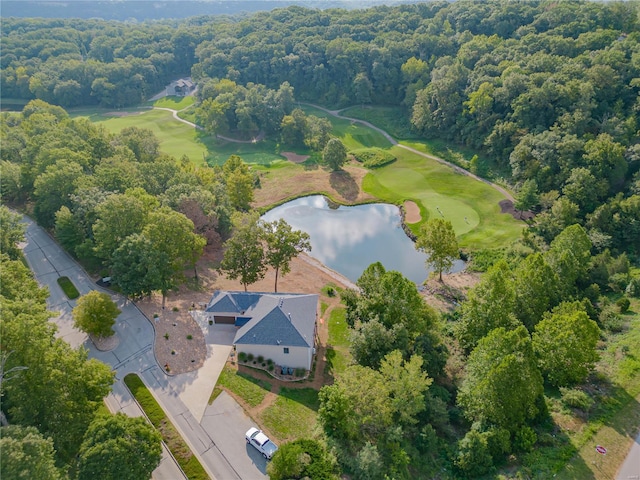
<point x="353" y="135"/>
<point x="394" y="120"/>
<point x="293" y="415"/>
<point x="338" y="356"/>
<point x="173" y="102"/>
<point x="250" y="389"/>
<point x="176" y="138"/>
<point x="440" y="192"/>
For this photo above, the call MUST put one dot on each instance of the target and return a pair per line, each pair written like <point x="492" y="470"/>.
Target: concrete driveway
<point x="226" y="423"/>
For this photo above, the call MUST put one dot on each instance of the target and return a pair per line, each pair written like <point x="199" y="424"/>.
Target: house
<point x="277" y="326"/>
<point x="184" y="86"/>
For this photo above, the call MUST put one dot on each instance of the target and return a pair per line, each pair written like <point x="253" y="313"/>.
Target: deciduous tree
<point x="438" y="240"/>
<point x="565" y="344"/>
<point x="26" y="454"/>
<point x="95" y="313"/>
<point x="244" y="254"/>
<point x="503" y="385"/>
<point x="334" y="154"/>
<point x="117" y="447"/>
<point x="282" y="245"/>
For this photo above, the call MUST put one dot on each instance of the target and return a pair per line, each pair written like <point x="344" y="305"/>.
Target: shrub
<point x="175" y="309"/>
<point x="623" y="304"/>
<point x="271" y="367"/>
<point x="189" y="337"/>
<point x="373" y="157"/>
<point x="269" y="361"/>
<point x="250" y="357"/>
<point x="299" y="372"/>
<point x="155" y="315"/>
<point x="525" y="439"/>
<point x="260" y="359"/>
<point x="610" y="320"/>
<point x="474" y="459"/>
<point x="166" y="336"/>
<point x="68" y="288"/>
<point x="242" y="357"/>
<point x="574" y="398"/>
<point x="633" y="289"/>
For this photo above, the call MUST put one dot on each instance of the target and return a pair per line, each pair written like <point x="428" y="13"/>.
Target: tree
<point x="68" y="230"/>
<point x="527" y="196"/>
<point x="536" y="289"/>
<point x="243" y="254"/>
<point x="438" y="240"/>
<point x="503" y="385"/>
<point x="174" y="246"/>
<point x="570" y="257"/>
<point x="565" y="344"/>
<point x="372" y="341"/>
<point x="95" y="313"/>
<point x="334" y="154"/>
<point x="11" y="232"/>
<point x="301" y="459"/>
<point x="26" y="454"/>
<point x="119" y="447"/>
<point x="490" y="304"/>
<point x="134" y="268"/>
<point x="282" y="245"/>
<point x="52" y="190"/>
<point x="239" y="182"/>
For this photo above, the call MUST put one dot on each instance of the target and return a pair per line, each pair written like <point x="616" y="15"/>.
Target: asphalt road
<point x="213" y="442"/>
<point x="630" y="469"/>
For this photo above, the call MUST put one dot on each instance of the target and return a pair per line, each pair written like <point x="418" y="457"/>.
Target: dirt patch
<point x="411" y="212"/>
<point x="276" y="187"/>
<point x="506" y="206"/>
<point x="294" y="157"/>
<point x="446" y="296"/>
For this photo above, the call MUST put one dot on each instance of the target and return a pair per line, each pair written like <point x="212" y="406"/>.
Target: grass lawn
<point x="173" y="102"/>
<point x="615" y="422"/>
<point x="353" y="135"/>
<point x="471" y="206"/>
<point x="394" y="120"/>
<point x="68" y="288"/>
<point x="338" y="356"/>
<point x="293" y="414"/>
<point x="180" y="450"/>
<point x="244" y="386"/>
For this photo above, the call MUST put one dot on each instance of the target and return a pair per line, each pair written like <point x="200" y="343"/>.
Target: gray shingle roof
<point x="287" y="319"/>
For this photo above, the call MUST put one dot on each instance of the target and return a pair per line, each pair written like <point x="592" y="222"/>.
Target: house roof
<point x="287" y="319"/>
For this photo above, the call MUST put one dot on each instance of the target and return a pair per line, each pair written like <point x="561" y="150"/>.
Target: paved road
<point x="630" y="469"/>
<point x="134" y="354"/>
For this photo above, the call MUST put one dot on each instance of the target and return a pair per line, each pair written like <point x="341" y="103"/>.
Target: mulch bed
<point x="173" y="347"/>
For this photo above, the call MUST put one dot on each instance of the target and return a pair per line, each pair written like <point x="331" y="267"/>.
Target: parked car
<point x="261" y="442"/>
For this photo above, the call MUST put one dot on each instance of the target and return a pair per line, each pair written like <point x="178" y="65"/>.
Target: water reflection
<point x="349" y="239"/>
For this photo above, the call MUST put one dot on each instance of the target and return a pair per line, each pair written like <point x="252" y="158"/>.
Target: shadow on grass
<point x="343" y="183"/>
<point x="304" y="396"/>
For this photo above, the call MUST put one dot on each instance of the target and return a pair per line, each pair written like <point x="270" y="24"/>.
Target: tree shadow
<point x="343" y="183"/>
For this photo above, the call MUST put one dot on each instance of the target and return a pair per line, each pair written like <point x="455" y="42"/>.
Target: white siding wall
<point x="298" y="357"/>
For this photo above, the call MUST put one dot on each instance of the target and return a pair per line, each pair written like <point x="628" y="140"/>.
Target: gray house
<point x="279" y="326"/>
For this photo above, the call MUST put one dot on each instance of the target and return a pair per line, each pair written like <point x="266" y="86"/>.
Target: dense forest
<point x="546" y="93"/>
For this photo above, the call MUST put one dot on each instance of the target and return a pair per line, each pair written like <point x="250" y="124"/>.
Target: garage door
<point x="224" y="320"/>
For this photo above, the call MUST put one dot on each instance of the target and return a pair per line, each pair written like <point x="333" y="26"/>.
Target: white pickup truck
<point x="261" y="442"/>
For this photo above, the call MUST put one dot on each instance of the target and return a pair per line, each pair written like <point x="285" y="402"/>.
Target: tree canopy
<point x="95" y="313"/>
<point x="438" y="240"/>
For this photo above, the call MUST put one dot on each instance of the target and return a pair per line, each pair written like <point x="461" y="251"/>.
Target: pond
<point x="349" y="239"/>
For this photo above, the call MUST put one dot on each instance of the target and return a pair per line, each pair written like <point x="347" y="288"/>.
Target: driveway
<point x="134" y="354"/>
<point x="227" y="423"/>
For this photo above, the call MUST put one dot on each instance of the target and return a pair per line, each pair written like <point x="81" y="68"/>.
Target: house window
<point x="286" y="349"/>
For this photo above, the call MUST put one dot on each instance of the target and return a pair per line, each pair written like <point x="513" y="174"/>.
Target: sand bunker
<point x="411" y="212"/>
<point x="294" y="157"/>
